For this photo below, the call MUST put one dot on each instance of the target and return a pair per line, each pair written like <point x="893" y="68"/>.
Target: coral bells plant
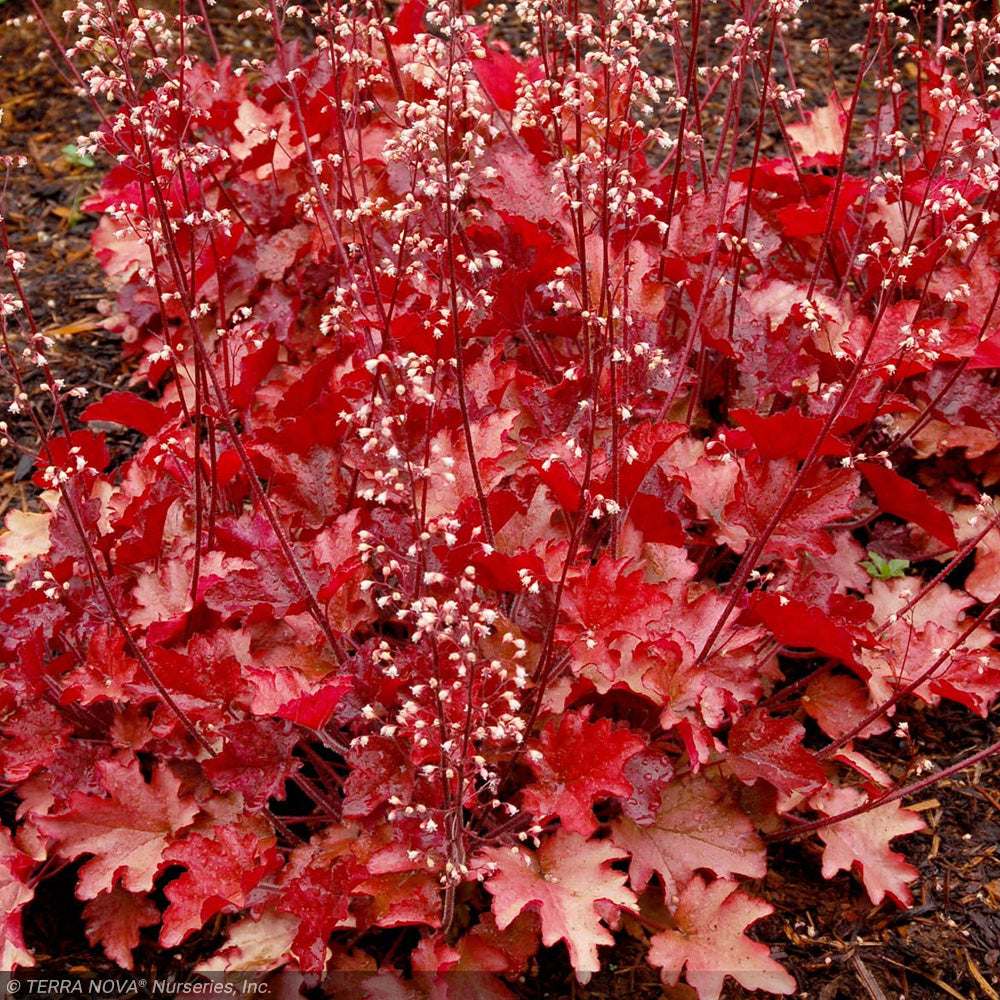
<point x="544" y="496"/>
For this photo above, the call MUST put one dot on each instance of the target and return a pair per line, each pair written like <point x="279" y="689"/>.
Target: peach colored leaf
<point x="863" y="842"/>
<point x="838" y="702"/>
<point x="127" y="832"/>
<point x="162" y="595"/>
<point x="121" y="253"/>
<point x="451" y="479"/>
<point x="15" y="894"/>
<point x="698" y="826"/>
<point x="820" y="138"/>
<point x="567" y="879"/>
<point x="709" y="942"/>
<point x="277" y="254"/>
<point x="942" y="605"/>
<point x="255" y="945"/>
<point x="984" y="581"/>
<point x="114" y="920"/>
<point x="26" y="537"/>
<point x="256" y="126"/>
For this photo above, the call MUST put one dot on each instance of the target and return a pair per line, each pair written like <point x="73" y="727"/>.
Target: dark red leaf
<point x="904" y="499"/>
<point x="314" y="710"/>
<point x="771" y="749"/>
<point x="794" y="623"/>
<point x="221" y="870"/>
<point x="256" y="760"/>
<point x="82" y="449"/>
<point x="409" y="21"/>
<point x="577" y="762"/>
<point x="380" y="768"/>
<point x="790" y="434"/>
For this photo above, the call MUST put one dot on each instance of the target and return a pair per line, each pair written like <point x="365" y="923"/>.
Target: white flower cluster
<point x="460" y="710"/>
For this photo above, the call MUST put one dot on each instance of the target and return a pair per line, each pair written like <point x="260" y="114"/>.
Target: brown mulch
<point x="827" y="933"/>
<point x="64" y="284"/>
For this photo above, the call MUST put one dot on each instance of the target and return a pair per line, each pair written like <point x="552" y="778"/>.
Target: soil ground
<point x="825" y="932"/>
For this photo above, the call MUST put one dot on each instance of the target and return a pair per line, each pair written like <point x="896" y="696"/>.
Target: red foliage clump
<point x="509" y="545"/>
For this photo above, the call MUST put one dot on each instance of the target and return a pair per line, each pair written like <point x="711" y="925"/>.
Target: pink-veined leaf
<point x="710" y="943"/>
<point x="127" y="832"/>
<point x="115" y="920"/>
<point x="698" y="826"/>
<point x="570" y="881"/>
<point x="862" y="842"/>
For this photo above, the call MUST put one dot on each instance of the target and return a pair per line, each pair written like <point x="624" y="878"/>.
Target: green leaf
<point x="885" y="569"/>
<point x="73" y="155"/>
